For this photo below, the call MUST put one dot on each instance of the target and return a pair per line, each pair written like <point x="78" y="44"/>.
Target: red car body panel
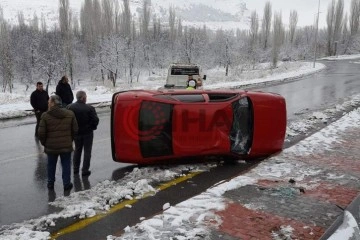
<point x="207" y="132"/>
<point x="162" y="126"/>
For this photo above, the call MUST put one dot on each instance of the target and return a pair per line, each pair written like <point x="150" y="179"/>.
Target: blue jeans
<point x="65" y="164"/>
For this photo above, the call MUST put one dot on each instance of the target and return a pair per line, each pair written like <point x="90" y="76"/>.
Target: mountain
<point x="225" y="14"/>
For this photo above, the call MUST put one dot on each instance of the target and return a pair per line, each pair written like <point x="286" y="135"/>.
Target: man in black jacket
<point x="63" y="90"/>
<point x="39" y="101"/>
<point x="87" y="120"/>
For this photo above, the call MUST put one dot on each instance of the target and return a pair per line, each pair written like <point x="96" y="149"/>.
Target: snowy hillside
<point x="227" y="14"/>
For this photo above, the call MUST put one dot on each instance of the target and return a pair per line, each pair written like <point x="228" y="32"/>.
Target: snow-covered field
<point x="17" y="103"/>
<point x="140" y="182"/>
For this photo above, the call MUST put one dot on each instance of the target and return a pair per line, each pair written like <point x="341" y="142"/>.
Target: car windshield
<point x="242" y="129"/>
<point x="184" y="71"/>
<point x="220" y="97"/>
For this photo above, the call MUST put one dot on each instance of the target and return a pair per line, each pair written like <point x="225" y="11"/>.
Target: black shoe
<point x="76" y="172"/>
<point x="87" y="173"/>
<point x="68" y="187"/>
<point x="50" y="186"/>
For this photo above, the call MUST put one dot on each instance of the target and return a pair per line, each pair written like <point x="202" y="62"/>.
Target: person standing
<point x="63" y="90"/>
<point x="88" y="121"/>
<point x="39" y="101"/>
<point x="191" y="83"/>
<point x="57" y="130"/>
<point x="199" y="83"/>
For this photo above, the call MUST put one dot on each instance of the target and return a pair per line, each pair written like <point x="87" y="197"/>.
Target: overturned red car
<point x="163" y="126"/>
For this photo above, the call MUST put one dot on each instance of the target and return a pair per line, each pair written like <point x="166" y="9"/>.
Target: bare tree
<point x="345" y="30"/>
<point x="21" y="19"/>
<point x="43" y="23"/>
<point x="156" y="29"/>
<point x="334" y="21"/>
<point x="172" y="30"/>
<point x="354" y="17"/>
<point x="351" y="37"/>
<point x="126" y="20"/>
<point x="227" y="56"/>
<point x="6" y="58"/>
<point x="90" y="22"/>
<point x="131" y="52"/>
<point x="35" y="22"/>
<point x="95" y="18"/>
<point x="117" y="16"/>
<point x="254" y="29"/>
<point x="107" y="17"/>
<point x="253" y="38"/>
<point x="351" y="40"/>
<point x="145" y="19"/>
<point x="292" y="25"/>
<point x="179" y="33"/>
<point x="330" y="21"/>
<point x="76" y="27"/>
<point x="65" y="17"/>
<point x="266" y="24"/>
<point x="188" y="43"/>
<point x="339" y="18"/>
<point x="48" y="59"/>
<point x="24" y="40"/>
<point x="87" y="29"/>
<point x="219" y="47"/>
<point x="278" y="33"/>
<point x="144" y="32"/>
<point x="111" y="55"/>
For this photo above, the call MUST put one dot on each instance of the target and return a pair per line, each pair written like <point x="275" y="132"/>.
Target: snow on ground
<point x="342" y="57"/>
<point x="190" y="219"/>
<point x="143" y="181"/>
<point x="307" y="123"/>
<point x="17" y="103"/>
<point x="262" y="74"/>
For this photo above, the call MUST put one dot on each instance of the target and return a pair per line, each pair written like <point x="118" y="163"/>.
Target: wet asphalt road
<point x="23" y="192"/>
<point x="321" y="90"/>
<point x="23" y="178"/>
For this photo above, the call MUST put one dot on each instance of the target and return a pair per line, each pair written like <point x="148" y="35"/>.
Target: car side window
<point x="190" y="98"/>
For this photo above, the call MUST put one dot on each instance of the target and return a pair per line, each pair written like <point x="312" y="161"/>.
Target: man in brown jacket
<point x="57" y="129"/>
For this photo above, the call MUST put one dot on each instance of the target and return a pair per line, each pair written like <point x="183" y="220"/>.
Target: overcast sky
<point x="307" y="9"/>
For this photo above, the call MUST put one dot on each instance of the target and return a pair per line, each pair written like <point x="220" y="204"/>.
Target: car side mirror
<point x="204" y="77"/>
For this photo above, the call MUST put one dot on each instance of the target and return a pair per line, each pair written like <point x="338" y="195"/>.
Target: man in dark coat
<point x="88" y="120"/>
<point x="57" y="130"/>
<point x="39" y="101"/>
<point x="63" y="90"/>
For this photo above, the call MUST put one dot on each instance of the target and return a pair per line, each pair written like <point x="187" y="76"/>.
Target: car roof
<point x="185" y="64"/>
